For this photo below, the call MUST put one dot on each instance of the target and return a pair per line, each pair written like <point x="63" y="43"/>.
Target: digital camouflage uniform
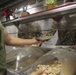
<point x="2" y="52"/>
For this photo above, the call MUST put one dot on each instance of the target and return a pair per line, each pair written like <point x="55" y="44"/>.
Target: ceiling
<point x="6" y="3"/>
<point x="9" y="3"/>
<point x="3" y="1"/>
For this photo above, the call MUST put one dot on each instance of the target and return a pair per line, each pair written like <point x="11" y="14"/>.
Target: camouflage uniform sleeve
<point x="2" y="26"/>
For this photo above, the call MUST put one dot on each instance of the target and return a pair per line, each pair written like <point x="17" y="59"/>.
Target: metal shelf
<point x="59" y="11"/>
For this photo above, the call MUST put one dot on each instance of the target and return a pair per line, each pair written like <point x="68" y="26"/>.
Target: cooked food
<point x="44" y="38"/>
<point x="52" y="69"/>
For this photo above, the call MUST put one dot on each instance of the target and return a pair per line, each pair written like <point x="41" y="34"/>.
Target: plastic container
<point x="21" y="59"/>
<point x="66" y="58"/>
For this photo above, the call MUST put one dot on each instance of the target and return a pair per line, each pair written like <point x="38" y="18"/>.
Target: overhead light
<point x="21" y="9"/>
<point x="29" y="6"/>
<point x="11" y="17"/>
<point x="33" y="10"/>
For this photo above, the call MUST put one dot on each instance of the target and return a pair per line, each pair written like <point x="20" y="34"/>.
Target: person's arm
<point x="38" y="72"/>
<point x="12" y="41"/>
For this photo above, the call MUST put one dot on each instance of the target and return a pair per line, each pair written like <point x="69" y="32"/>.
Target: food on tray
<point x="51" y="69"/>
<point x="50" y="4"/>
<point x="44" y="38"/>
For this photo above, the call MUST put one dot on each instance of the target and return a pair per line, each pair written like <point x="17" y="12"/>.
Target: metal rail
<point x="71" y="9"/>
